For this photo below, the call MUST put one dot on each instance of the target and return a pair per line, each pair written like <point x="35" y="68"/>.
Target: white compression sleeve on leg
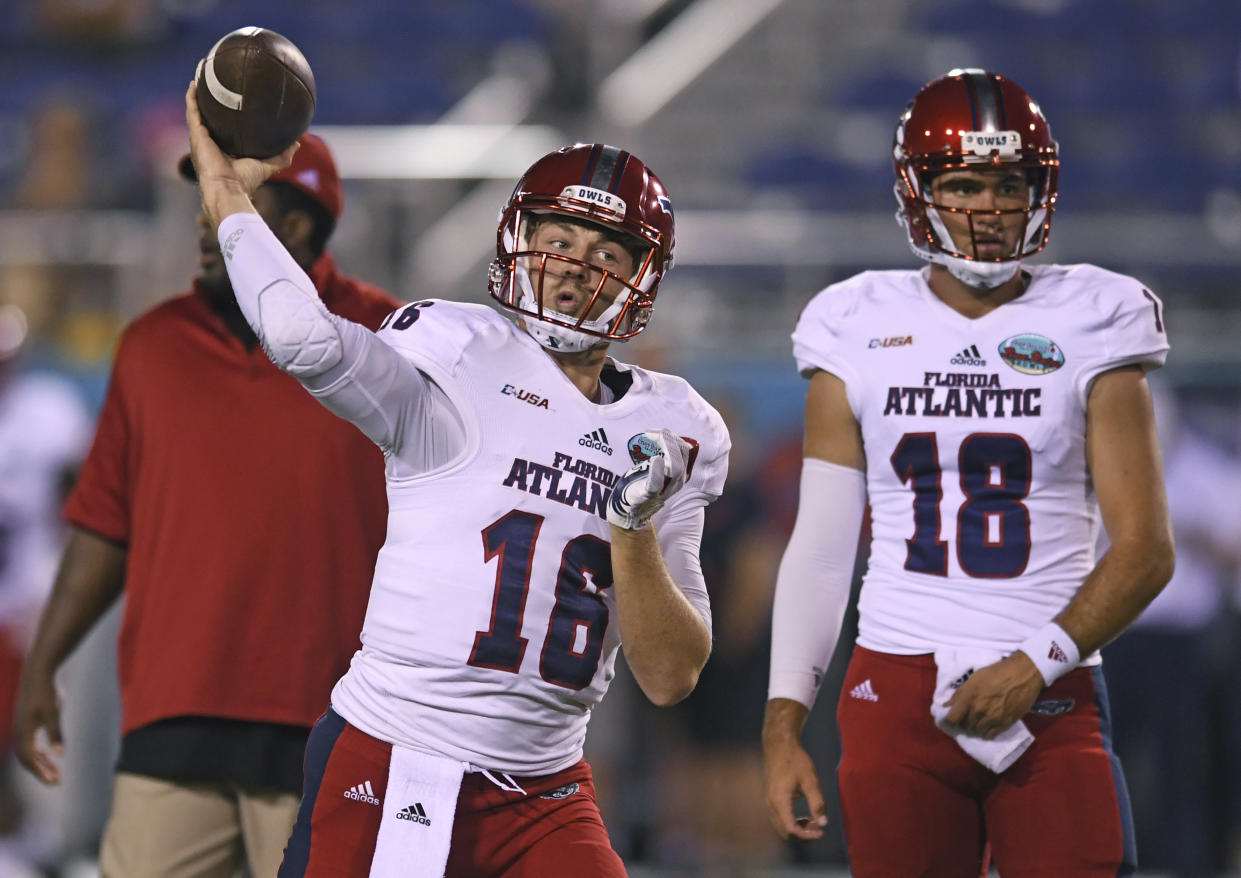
<point x="278" y="298"/>
<point x="812" y="587"/>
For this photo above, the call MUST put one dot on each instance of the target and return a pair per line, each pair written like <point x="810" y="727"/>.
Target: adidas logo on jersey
<point x="362" y="793"/>
<point x="598" y="440"/>
<point x="414" y="813"/>
<point x="1056" y="654"/>
<point x="863" y="691"/>
<point x="971" y="356"/>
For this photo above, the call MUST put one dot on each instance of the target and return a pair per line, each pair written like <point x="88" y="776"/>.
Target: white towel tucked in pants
<point x="418" y="809"/>
<point x="953" y="667"/>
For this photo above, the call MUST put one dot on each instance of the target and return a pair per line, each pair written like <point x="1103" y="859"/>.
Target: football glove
<point x="667" y="462"/>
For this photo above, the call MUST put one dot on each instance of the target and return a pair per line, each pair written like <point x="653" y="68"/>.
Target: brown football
<point x="256" y="93"/>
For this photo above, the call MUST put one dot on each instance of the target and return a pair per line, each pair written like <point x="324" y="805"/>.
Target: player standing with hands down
<point x="543" y="508"/>
<point x="991" y="412"/>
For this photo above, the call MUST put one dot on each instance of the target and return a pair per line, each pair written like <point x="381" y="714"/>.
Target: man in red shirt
<point x="241" y="519"/>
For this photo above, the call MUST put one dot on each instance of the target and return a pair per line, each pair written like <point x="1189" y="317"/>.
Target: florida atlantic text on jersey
<point x="490" y="632"/>
<point x="975" y="435"/>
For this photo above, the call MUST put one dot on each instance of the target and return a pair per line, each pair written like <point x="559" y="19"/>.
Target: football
<point x="256" y="93"/>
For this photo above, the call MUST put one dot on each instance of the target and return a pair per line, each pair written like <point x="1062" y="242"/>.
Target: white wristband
<point x="1053" y="652"/>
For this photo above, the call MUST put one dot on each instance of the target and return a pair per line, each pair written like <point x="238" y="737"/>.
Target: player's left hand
<point x="642" y="491"/>
<point x="996" y="696"/>
<point x="219" y="174"/>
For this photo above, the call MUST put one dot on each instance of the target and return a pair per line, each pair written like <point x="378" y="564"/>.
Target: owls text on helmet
<point x="582" y="245"/>
<point x="973" y="120"/>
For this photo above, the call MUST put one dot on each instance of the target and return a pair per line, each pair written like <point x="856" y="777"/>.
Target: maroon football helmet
<point x="605" y="188"/>
<point x="972" y="119"/>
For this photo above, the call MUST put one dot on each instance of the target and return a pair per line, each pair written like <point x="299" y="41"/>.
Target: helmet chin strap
<point x="979" y="275"/>
<point x="554" y="337"/>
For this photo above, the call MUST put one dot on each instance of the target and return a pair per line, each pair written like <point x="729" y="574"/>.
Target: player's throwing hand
<point x="220" y="176"/>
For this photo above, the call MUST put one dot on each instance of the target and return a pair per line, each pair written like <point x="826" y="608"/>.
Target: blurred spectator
<point x="55" y="161"/>
<point x="58" y="173"/>
<point x="44" y="432"/>
<point x="105" y="22"/>
<point x="1162" y="672"/>
<point x="69" y="303"/>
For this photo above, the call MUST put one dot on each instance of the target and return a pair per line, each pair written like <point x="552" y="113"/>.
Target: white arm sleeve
<point x="346" y="366"/>
<point x="812" y="587"/>
<point x="278" y="299"/>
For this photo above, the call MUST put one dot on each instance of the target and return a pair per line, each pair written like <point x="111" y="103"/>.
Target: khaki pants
<point x="160" y="829"/>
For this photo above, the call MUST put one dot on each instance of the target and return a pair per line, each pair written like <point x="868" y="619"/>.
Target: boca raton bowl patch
<point x="1031" y="353"/>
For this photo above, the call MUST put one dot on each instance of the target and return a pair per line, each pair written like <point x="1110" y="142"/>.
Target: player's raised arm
<point x="342" y="363"/>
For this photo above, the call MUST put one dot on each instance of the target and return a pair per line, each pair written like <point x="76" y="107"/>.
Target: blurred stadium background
<point x="771" y="123"/>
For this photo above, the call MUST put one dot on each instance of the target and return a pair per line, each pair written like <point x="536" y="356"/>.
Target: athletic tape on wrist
<point x="1053" y="652"/>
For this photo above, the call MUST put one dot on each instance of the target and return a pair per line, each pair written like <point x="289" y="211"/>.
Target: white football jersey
<point x="491" y="630"/>
<point x="984" y="519"/>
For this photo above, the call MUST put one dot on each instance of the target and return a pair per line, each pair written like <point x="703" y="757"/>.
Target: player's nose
<point x="575" y="267"/>
<point x="983" y="207"/>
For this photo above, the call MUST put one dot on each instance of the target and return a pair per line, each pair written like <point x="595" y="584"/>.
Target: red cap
<point x="313" y="171"/>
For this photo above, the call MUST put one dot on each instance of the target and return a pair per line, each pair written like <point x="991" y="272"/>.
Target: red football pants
<point x="915" y="804"/>
<point x="553" y="828"/>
